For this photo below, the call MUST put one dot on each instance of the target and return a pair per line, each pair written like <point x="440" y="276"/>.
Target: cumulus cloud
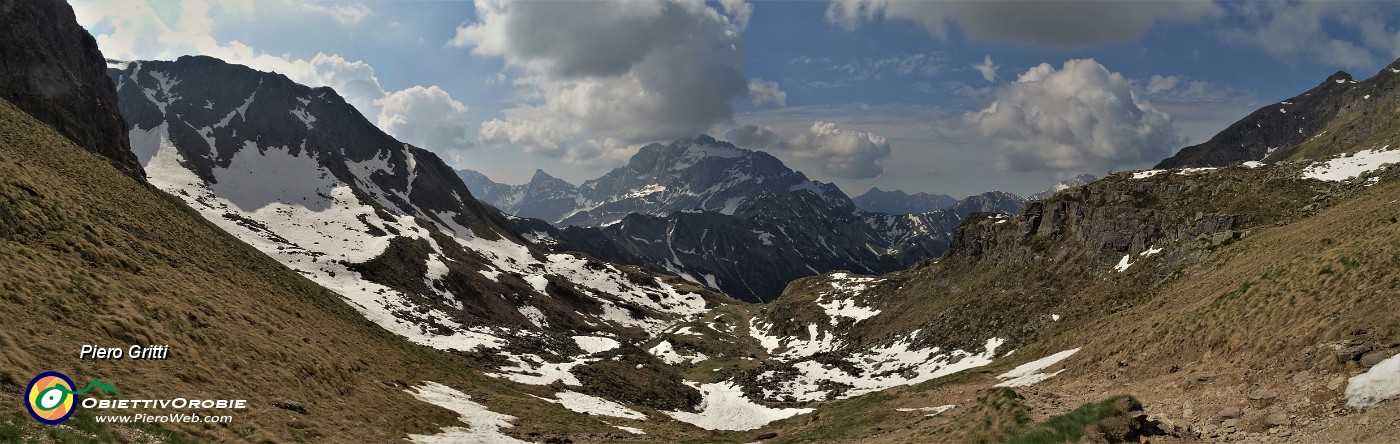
<point x="1307" y="30"/>
<point x="843" y="153"/>
<point x="633" y="71"/>
<point x="1081" y="117"/>
<point x="425" y="116"/>
<point x="763" y="91"/>
<point x="1058" y="23"/>
<point x="987" y="69"/>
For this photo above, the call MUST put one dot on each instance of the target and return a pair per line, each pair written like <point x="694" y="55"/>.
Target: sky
<point x="945" y="97"/>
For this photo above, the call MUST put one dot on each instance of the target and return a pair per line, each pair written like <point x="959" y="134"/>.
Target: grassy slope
<point x="91" y="256"/>
<point x="1259" y="311"/>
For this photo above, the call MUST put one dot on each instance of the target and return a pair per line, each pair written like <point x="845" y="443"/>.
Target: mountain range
<point x="734" y="220"/>
<point x="876" y="200"/>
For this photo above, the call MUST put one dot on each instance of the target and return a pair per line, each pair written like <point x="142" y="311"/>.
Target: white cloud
<point x="871" y="68"/>
<point x="425" y="116"/>
<point x="1057" y="23"/>
<point x="632" y="71"/>
<point x="345" y="13"/>
<point x="843" y="153"/>
<point x="1081" y="117"/>
<point x="739" y="11"/>
<point x="1184" y="89"/>
<point x="763" y="91"/>
<point x="987" y="69"/>
<point x="1307" y="30"/>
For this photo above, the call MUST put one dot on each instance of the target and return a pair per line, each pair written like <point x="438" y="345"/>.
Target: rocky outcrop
<point x="1122" y="215"/>
<point x="51" y="68"/>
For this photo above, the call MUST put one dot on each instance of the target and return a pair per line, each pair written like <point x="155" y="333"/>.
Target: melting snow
<point x="533" y="370"/>
<point x="850" y="287"/>
<point x="645" y="191"/>
<point x="594" y="344"/>
<point x="881" y="367"/>
<point x="1123" y="264"/>
<point x="668" y="354"/>
<point x="1150" y="251"/>
<point x="1029" y="373"/>
<point x="534" y="315"/>
<point x="632" y="430"/>
<point x="483" y="425"/>
<point x="1378" y="384"/>
<point x="594" y="405"/>
<point x="288" y="207"/>
<point x="1146" y="174"/>
<point x="1343" y="168"/>
<point x="726" y="408"/>
<point x="931" y="411"/>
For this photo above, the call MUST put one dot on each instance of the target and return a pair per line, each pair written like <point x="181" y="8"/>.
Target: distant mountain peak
<point x="1076" y="181"/>
<point x="900" y="202"/>
<point x="542" y="177"/>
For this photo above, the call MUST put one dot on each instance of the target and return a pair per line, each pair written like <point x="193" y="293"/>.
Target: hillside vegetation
<point x="91" y="256"/>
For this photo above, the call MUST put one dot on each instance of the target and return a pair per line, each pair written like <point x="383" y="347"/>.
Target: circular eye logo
<point x="50" y="398"/>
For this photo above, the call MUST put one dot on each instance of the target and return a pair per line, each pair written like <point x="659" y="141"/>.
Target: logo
<point x="51" y="399"/>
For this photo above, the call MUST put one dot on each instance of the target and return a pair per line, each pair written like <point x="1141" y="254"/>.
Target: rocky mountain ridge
<point x="1338" y="115"/>
<point x="757" y="225"/>
<point x="300" y="174"/>
<point x="52" y="70"/>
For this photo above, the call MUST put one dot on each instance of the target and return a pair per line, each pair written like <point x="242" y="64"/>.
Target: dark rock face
<point x="213" y="110"/>
<point x="899" y="202"/>
<point x="1120" y="216"/>
<point x="1281" y="131"/>
<point x="771" y="240"/>
<point x="50" y="68"/>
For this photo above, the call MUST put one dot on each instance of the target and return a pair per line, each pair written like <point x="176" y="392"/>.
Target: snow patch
<point x="534" y="315"/>
<point x="726" y="408"/>
<point x="1029" y="373"/>
<point x="881" y="367"/>
<point x="1378" y="384"/>
<point x="929" y="411"/>
<point x="532" y="370"/>
<point x="483" y="425"/>
<point x="594" y="344"/>
<point x="594" y="405"/>
<point x="1123" y="264"/>
<point x="1343" y="168"/>
<point x="1146" y="174"/>
<point x="668" y="354"/>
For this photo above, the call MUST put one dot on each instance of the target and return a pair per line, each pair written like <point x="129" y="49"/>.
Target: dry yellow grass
<point x="88" y="256"/>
